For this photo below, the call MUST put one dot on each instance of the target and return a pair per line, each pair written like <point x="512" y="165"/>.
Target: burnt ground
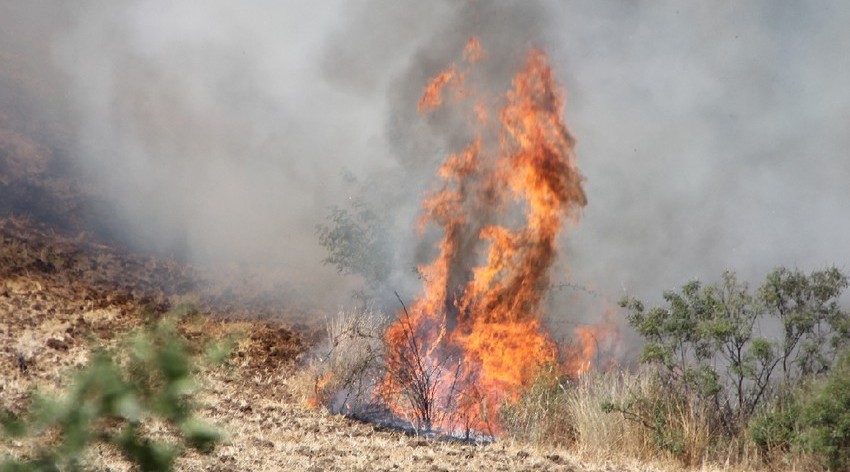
<point x="58" y="292"/>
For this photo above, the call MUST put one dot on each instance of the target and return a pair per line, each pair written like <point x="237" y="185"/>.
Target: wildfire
<point x="590" y="341"/>
<point x="474" y="337"/>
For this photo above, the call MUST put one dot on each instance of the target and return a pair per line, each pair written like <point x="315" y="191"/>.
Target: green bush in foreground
<point x="148" y="378"/>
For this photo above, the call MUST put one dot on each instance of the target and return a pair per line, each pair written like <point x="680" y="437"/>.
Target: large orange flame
<point x="474" y="337"/>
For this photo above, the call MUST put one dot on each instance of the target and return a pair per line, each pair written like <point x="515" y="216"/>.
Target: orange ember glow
<point x="474" y="337"/>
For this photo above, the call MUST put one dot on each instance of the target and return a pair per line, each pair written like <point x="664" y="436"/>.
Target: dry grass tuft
<point x="601" y="434"/>
<point x="624" y="417"/>
<point x="343" y="373"/>
<point x="541" y="415"/>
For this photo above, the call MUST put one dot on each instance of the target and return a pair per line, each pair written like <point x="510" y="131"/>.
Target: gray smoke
<point x="712" y="136"/>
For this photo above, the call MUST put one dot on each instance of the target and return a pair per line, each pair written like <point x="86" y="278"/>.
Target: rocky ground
<point x="61" y="293"/>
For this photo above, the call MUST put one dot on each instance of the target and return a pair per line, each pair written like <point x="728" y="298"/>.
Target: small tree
<point x="356" y="241"/>
<point x="814" y="327"/>
<point x="705" y="340"/>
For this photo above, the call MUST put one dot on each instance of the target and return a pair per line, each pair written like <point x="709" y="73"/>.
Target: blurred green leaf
<point x="111" y="396"/>
<point x="200" y="435"/>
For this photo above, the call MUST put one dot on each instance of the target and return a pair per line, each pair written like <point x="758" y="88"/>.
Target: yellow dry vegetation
<point x="60" y="296"/>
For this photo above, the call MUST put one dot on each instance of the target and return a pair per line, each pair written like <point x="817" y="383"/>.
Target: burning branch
<point x="416" y="376"/>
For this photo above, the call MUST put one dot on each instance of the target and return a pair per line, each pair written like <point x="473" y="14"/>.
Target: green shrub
<point x="705" y="343"/>
<point x="824" y="421"/>
<point x="813" y="419"/>
<point x="356" y="239"/>
<point x="774" y="429"/>
<point x="705" y="339"/>
<point x="148" y="377"/>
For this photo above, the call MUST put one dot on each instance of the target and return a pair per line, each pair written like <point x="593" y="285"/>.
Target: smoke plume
<point x="711" y="136"/>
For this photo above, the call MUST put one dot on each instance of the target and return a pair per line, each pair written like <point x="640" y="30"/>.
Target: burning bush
<point x="477" y="326"/>
<point x="474" y="337"/>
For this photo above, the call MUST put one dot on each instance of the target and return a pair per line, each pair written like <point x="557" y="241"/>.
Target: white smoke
<point x="712" y="136"/>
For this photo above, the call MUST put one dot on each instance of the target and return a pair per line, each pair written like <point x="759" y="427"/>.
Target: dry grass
<point x="50" y="318"/>
<point x="55" y="315"/>
<point x="658" y="428"/>
<point x="343" y="369"/>
<point x="600" y="434"/>
<point x="542" y="414"/>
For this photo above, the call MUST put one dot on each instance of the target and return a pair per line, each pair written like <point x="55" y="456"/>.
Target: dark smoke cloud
<point x="712" y="135"/>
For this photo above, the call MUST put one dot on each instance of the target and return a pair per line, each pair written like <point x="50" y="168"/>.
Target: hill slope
<point x="57" y="293"/>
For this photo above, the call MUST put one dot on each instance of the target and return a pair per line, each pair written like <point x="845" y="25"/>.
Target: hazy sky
<point x="712" y="135"/>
